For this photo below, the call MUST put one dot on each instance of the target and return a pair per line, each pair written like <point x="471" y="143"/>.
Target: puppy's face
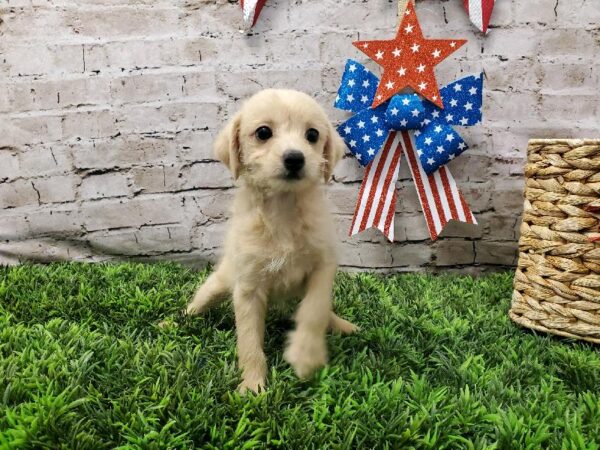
<point x="281" y="140"/>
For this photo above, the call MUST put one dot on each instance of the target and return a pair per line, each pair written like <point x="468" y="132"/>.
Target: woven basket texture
<point x="557" y="282"/>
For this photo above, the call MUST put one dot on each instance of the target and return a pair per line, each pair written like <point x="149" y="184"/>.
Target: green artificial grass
<point x="438" y="364"/>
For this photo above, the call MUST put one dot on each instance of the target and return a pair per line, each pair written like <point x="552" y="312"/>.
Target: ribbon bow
<point x="378" y="136"/>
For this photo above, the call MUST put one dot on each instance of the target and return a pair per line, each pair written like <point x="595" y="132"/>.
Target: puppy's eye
<point x="312" y="135"/>
<point x="263" y="133"/>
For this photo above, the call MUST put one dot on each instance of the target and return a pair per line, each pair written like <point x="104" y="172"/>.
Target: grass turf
<point x="438" y="364"/>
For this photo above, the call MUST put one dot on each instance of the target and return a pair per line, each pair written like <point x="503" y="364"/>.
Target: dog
<point x="281" y="243"/>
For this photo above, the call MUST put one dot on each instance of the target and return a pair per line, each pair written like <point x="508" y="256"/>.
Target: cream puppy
<point x="281" y="242"/>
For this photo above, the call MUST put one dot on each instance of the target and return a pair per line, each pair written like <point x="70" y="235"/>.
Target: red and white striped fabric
<point x="250" y="11"/>
<point x="480" y="12"/>
<point x="440" y="198"/>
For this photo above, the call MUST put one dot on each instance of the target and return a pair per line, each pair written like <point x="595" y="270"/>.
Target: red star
<point x="409" y="60"/>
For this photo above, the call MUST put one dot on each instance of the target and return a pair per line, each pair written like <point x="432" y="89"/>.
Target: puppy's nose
<point x="293" y="160"/>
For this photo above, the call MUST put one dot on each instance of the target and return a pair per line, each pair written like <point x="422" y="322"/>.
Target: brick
<point x="23" y="59"/>
<point x="206" y="175"/>
<point x="496" y="253"/>
<point x="18" y="193"/>
<point x="451" y="252"/>
<point x="147" y="210"/>
<point x="169" y="117"/>
<point x="124" y="151"/>
<point x="57" y="189"/>
<point x="148" y="240"/>
<point x="104" y="185"/>
<point x="44" y="160"/>
<point x="156" y="179"/>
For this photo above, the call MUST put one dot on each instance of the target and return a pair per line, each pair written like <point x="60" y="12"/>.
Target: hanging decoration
<point x="389" y="122"/>
<point x="250" y="11"/>
<point x="480" y="12"/>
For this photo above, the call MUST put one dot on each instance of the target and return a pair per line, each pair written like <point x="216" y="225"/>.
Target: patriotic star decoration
<point x="409" y="60"/>
<point x="437" y="142"/>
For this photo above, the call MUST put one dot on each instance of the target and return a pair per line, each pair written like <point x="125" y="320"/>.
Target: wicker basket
<point x="557" y="283"/>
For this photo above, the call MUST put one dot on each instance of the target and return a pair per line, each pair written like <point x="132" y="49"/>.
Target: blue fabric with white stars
<point x="436" y="140"/>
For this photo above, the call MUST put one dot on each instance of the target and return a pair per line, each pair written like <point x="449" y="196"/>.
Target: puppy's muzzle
<point x="293" y="161"/>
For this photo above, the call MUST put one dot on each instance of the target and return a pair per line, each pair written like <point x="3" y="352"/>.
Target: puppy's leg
<point x="307" y="348"/>
<point x="250" y="306"/>
<point x="339" y="325"/>
<point x="212" y="292"/>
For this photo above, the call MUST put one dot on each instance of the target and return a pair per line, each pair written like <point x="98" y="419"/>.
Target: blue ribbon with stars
<point x="436" y="140"/>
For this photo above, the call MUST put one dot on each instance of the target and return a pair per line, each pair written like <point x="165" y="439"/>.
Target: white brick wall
<point x="108" y="109"/>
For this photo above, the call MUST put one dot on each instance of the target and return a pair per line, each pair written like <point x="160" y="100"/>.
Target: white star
<point x="366" y="138"/>
<point x="431" y="161"/>
<point x="379" y="54"/>
<point x="405" y="101"/>
<point x="389" y="84"/>
<point x="452" y="44"/>
<point x="449" y="137"/>
<point x="468" y="106"/>
<point x="347" y="130"/>
<point x="451" y="156"/>
<point x="428" y="141"/>
<point x="419" y="152"/>
<point x="359" y="156"/>
<point x="449" y="117"/>
<point x="379" y="132"/>
<point x="436" y="53"/>
<point x="457" y="87"/>
<point x="409" y="28"/>
<point x="366" y="45"/>
<point x="366" y="83"/>
<point x="350" y="98"/>
<point x="361" y="124"/>
<point x="379" y="96"/>
<point x="426" y="122"/>
<point x="417" y="133"/>
<point x="462" y="146"/>
<point x="415" y="47"/>
<point x="453" y="102"/>
<point x="337" y="99"/>
<point x="371" y="152"/>
<point x="352" y="143"/>
<point x="422" y="85"/>
<point x="435" y="97"/>
<point x="464" y="121"/>
<point x="374" y="119"/>
<point x="352" y="67"/>
<point x="438" y="128"/>
<point x="364" y="99"/>
<point x="396" y="52"/>
<point x="421" y="68"/>
<point x="351" y="83"/>
<point x="394" y="111"/>
<point x="473" y="90"/>
<point x="435" y="114"/>
<point x="403" y="122"/>
<point x="415" y="112"/>
<point x="401" y="71"/>
<point x="439" y="149"/>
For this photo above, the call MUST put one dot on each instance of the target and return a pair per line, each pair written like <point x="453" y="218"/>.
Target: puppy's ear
<point x="335" y="147"/>
<point x="227" y="146"/>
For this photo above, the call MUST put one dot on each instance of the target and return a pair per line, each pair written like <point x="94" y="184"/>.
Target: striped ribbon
<point x="440" y="198"/>
<point x="250" y="12"/>
<point x="480" y="12"/>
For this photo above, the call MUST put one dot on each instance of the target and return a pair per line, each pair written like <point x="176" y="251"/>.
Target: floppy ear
<point x="227" y="146"/>
<point x="335" y="147"/>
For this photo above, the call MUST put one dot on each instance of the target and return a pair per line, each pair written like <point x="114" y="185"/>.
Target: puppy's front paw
<point x="254" y="384"/>
<point x="306" y="353"/>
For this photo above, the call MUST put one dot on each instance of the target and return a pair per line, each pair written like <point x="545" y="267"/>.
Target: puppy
<point x="281" y="242"/>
